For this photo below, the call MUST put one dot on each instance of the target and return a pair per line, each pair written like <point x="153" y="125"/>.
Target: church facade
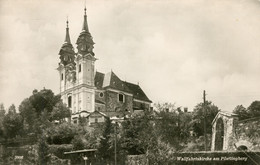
<point x="91" y="94"/>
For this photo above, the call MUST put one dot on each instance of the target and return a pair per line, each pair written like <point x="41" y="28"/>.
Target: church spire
<point x="67" y="37"/>
<point x="85" y="42"/>
<point x="85" y="23"/>
<point x="67" y="51"/>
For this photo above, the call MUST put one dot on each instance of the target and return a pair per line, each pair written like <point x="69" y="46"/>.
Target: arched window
<point x="69" y="101"/>
<point x="219" y="137"/>
<point x="79" y="67"/>
<point x="242" y="148"/>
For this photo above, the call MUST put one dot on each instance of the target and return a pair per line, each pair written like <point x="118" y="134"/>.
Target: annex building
<point x="92" y="94"/>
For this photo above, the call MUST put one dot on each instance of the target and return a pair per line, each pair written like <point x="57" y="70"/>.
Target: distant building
<point x="86" y="91"/>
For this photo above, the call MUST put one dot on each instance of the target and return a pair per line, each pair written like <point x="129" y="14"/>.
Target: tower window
<point x="101" y="94"/>
<point x="121" y="97"/>
<point x="69" y="101"/>
<point x="62" y="76"/>
<point x="79" y="67"/>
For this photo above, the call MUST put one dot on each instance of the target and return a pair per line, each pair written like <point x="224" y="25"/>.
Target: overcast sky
<point x="174" y="49"/>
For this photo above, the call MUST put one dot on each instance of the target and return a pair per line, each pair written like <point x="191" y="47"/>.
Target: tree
<point x="40" y="109"/>
<point x="254" y="109"/>
<point x="138" y="135"/>
<point x="2" y="110"/>
<point x="251" y="112"/>
<point x="43" y="151"/>
<point x="60" y="112"/>
<point x="104" y="148"/>
<point x="78" y="142"/>
<point x="2" y="115"/>
<point x="28" y="114"/>
<point x="172" y="125"/>
<point x="62" y="133"/>
<point x="12" y="109"/>
<point x="12" y="123"/>
<point x="201" y="111"/>
<point x="43" y="100"/>
<point x="241" y="111"/>
<point x="157" y="134"/>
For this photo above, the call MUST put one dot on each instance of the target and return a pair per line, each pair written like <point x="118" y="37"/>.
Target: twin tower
<point x="77" y="70"/>
<point x="93" y="94"/>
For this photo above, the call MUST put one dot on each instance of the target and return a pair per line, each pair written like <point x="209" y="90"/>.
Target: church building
<point x="91" y="94"/>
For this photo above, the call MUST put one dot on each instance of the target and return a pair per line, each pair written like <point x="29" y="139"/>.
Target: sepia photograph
<point x="130" y="82"/>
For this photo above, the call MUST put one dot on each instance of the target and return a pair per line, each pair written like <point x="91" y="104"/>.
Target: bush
<point x="58" y="150"/>
<point x="62" y="133"/>
<point x="43" y="151"/>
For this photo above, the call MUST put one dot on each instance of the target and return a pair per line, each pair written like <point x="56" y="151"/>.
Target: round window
<point x="101" y="94"/>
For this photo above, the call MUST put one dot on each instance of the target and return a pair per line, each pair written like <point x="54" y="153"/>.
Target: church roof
<point x="99" y="78"/>
<point x="111" y="80"/>
<point x="67" y="37"/>
<point x="137" y="91"/>
<point x="85" y="35"/>
<point x="224" y="113"/>
<point x="67" y="51"/>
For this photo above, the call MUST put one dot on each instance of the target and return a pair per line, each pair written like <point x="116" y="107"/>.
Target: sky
<point x="173" y="49"/>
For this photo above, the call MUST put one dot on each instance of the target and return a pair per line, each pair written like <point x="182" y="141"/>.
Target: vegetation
<point x="253" y="111"/>
<point x="12" y="123"/>
<point x="157" y="133"/>
<point x="206" y="111"/>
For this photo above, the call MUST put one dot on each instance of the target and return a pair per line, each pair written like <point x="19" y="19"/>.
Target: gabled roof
<point x="99" y="78"/>
<point x="137" y="92"/>
<point x="224" y="113"/>
<point x="97" y="112"/>
<point x="110" y="80"/>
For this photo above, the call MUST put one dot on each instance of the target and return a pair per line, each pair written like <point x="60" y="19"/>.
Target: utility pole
<point x="205" y="114"/>
<point x="115" y="142"/>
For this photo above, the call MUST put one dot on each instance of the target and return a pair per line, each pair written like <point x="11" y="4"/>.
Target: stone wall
<point x="248" y="134"/>
<point x="112" y="103"/>
<point x="228" y="138"/>
<point x="236" y="134"/>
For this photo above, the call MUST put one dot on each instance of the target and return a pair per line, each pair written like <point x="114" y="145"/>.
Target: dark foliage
<point x="43" y="151"/>
<point x="202" y="111"/>
<point x="253" y="111"/>
<point x="12" y="123"/>
<point x="104" y="148"/>
<point x="62" y="133"/>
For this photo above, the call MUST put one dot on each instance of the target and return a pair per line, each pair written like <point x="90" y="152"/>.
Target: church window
<point x="121" y="98"/>
<point x="219" y="136"/>
<point x="96" y="120"/>
<point x="69" y="101"/>
<point x="62" y="76"/>
<point x="79" y="67"/>
<point x="101" y="94"/>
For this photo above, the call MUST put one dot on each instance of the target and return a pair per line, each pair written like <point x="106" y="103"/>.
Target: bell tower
<point x="67" y="69"/>
<point x="85" y="69"/>
<point x="76" y="70"/>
